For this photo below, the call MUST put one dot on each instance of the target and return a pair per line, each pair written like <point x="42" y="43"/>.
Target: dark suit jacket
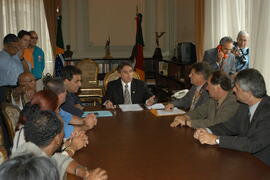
<point x="229" y="64"/>
<point x="239" y="134"/>
<point x="185" y="102"/>
<point x="139" y="92"/>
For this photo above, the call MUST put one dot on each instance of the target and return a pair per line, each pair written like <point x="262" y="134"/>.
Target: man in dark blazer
<point x="137" y="90"/>
<point x="198" y="94"/>
<point x="221" y="58"/>
<point x="249" y="129"/>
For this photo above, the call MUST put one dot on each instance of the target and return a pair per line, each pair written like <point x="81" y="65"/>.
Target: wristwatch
<point x="217" y="140"/>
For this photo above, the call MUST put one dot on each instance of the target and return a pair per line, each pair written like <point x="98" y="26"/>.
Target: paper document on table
<point x="130" y="107"/>
<point x="98" y="113"/>
<point x="156" y="106"/>
<point x="175" y="111"/>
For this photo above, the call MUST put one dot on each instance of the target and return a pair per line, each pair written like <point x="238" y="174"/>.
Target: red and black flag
<point x="137" y="51"/>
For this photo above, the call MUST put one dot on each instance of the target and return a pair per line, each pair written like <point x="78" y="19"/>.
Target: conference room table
<point x="141" y="146"/>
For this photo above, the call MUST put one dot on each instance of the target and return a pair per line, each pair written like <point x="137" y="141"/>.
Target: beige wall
<point x="88" y="23"/>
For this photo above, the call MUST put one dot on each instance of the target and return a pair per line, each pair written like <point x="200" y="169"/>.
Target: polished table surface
<point x="139" y="145"/>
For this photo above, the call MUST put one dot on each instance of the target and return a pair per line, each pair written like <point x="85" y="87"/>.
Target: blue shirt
<point x="242" y="62"/>
<point x="68" y="129"/>
<point x="39" y="62"/>
<point x="10" y="68"/>
<point x="70" y="101"/>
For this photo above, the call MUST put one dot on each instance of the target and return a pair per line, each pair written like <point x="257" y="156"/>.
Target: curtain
<point x="199" y="22"/>
<point x="260" y="37"/>
<point x="223" y="18"/>
<point x="16" y="15"/>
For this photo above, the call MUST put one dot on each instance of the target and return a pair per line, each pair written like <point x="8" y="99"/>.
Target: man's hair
<point x="32" y="31"/>
<point x="222" y="79"/>
<point x="22" y="33"/>
<point x="42" y="127"/>
<point x="10" y="38"/>
<point x="253" y="81"/>
<point x="26" y="112"/>
<point x="56" y="85"/>
<point x="29" y="167"/>
<point x="46" y="100"/>
<point x="122" y="65"/>
<point x="225" y="39"/>
<point x="242" y="33"/>
<point x="68" y="72"/>
<point x="202" y="68"/>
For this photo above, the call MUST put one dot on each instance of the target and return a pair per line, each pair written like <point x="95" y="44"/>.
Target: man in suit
<point x="127" y="90"/>
<point x="221" y="58"/>
<point x="198" y="94"/>
<point x="249" y="129"/>
<point x="219" y="108"/>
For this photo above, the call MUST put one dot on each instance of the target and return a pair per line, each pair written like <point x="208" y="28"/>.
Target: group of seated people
<point x="51" y="125"/>
<point x="227" y="106"/>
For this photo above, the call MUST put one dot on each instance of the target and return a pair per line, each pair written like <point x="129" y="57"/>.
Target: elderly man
<point x="221" y="58"/>
<point x="127" y="90"/>
<point x="249" y="129"/>
<point x="10" y="65"/>
<point x="219" y="108"/>
<point x="44" y="134"/>
<point x="25" y="90"/>
<point x="35" y="56"/>
<point x="198" y="94"/>
<point x="241" y="51"/>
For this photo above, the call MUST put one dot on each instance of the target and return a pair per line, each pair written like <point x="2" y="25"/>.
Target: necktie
<point x="127" y="99"/>
<point x="195" y="99"/>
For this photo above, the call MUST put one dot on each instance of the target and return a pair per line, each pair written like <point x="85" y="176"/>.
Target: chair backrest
<point x="11" y="115"/>
<point x="89" y="70"/>
<point x="3" y="151"/>
<point x="113" y="75"/>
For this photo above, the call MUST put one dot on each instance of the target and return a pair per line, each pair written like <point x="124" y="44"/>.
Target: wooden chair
<point x="90" y="88"/>
<point x="113" y="75"/>
<point x="3" y="151"/>
<point x="11" y="115"/>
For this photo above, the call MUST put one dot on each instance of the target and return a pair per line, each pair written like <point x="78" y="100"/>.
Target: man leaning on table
<point x="219" y="108"/>
<point x="249" y="129"/>
<point x="198" y="94"/>
<point x="126" y="89"/>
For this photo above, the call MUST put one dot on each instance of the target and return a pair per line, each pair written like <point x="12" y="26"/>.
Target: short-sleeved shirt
<point x="68" y="129"/>
<point x="61" y="161"/>
<point x="69" y="105"/>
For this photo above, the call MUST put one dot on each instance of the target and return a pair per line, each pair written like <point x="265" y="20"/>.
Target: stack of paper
<point x="156" y="106"/>
<point x="163" y="112"/>
<point x="130" y="107"/>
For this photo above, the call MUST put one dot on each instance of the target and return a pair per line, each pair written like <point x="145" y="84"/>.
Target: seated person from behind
<point x="249" y="129"/>
<point x="44" y="134"/>
<point x="198" y="94"/>
<point x="219" y="108"/>
<point x="71" y="76"/>
<point x="25" y="90"/>
<point x="126" y="89"/>
<point x="29" y="167"/>
<point x="221" y="58"/>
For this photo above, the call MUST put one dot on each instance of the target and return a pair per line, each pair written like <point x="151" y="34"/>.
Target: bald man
<point x="25" y="90"/>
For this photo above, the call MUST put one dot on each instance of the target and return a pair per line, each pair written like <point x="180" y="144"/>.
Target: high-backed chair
<point x="3" y="151"/>
<point x="90" y="88"/>
<point x="11" y="115"/>
<point x="113" y="75"/>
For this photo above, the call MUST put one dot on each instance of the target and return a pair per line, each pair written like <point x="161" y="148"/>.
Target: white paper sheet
<point x="130" y="107"/>
<point x="175" y="111"/>
<point x="156" y="106"/>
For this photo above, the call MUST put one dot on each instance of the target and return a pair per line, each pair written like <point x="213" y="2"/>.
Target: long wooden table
<point x="141" y="146"/>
